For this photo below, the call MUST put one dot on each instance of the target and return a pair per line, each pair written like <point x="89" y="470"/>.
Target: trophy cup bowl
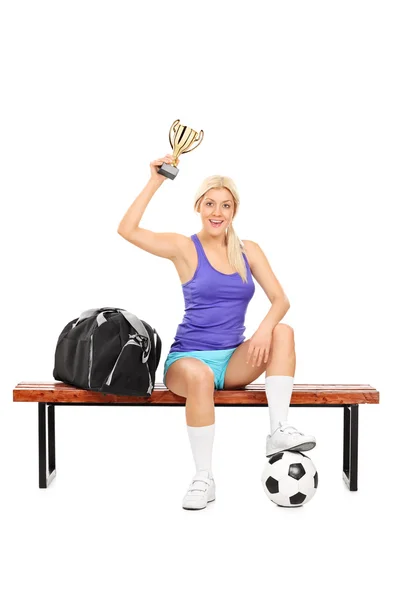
<point x="182" y="139"/>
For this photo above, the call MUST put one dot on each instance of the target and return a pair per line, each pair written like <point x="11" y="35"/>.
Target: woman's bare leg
<point x="200" y="401"/>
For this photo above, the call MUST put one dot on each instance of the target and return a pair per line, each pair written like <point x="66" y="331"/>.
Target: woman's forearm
<point x="278" y="310"/>
<point x="135" y="212"/>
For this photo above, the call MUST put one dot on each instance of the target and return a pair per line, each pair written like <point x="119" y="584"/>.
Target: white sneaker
<point x="287" y="437"/>
<point x="200" y="492"/>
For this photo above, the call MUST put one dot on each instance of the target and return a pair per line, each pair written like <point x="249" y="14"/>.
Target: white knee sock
<point x="278" y="389"/>
<point x="201" y="441"/>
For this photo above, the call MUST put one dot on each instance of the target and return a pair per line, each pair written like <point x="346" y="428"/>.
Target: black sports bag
<point x="108" y="350"/>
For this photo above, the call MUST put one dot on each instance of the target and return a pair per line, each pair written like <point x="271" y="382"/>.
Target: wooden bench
<point x="51" y="394"/>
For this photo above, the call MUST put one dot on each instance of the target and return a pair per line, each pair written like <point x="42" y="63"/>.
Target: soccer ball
<point x="289" y="478"/>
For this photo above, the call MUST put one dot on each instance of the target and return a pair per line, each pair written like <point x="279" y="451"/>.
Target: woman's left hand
<point x="259" y="346"/>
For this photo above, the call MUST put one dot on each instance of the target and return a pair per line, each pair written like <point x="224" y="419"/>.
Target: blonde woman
<point x="209" y="351"/>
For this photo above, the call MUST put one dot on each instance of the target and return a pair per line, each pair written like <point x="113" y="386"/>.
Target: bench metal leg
<point x="47" y="446"/>
<point x="350" y="446"/>
<point x="47" y="449"/>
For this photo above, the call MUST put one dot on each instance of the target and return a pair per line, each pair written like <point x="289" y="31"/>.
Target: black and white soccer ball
<point x="289" y="478"/>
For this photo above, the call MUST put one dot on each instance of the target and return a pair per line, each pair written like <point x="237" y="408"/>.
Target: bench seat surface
<point x="252" y="394"/>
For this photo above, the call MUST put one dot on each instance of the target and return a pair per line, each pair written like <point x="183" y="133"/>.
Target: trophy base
<point x="168" y="170"/>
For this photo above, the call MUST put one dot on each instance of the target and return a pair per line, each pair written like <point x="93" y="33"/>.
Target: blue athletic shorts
<point x="216" y="359"/>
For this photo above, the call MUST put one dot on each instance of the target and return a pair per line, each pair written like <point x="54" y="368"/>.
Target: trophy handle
<point x="200" y="138"/>
<point x="172" y="128"/>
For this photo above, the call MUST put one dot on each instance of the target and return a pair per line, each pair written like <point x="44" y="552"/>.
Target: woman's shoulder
<point x="250" y="248"/>
<point x="248" y="245"/>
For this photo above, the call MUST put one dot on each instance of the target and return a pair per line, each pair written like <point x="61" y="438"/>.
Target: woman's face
<point x="217" y="205"/>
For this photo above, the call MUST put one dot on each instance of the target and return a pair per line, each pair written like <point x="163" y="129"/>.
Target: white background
<point x="299" y="103"/>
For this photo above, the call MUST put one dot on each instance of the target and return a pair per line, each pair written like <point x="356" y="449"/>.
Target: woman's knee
<point x="199" y="374"/>
<point x="189" y="373"/>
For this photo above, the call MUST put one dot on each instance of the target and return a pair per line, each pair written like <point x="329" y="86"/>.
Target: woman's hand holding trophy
<point x="155" y="164"/>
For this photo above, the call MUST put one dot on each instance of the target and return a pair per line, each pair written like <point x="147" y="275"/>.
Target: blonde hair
<point x="234" y="244"/>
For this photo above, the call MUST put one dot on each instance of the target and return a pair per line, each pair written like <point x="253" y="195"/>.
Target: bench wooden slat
<point x="252" y="394"/>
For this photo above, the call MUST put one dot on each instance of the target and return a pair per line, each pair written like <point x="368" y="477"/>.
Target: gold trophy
<point x="181" y="139"/>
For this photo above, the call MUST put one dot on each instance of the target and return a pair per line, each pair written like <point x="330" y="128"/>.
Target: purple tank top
<point x="215" y="307"/>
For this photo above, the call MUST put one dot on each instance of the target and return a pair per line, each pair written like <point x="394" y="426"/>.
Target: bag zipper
<point x="90" y="359"/>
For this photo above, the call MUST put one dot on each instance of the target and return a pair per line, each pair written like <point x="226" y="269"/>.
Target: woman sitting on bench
<point x="209" y="352"/>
